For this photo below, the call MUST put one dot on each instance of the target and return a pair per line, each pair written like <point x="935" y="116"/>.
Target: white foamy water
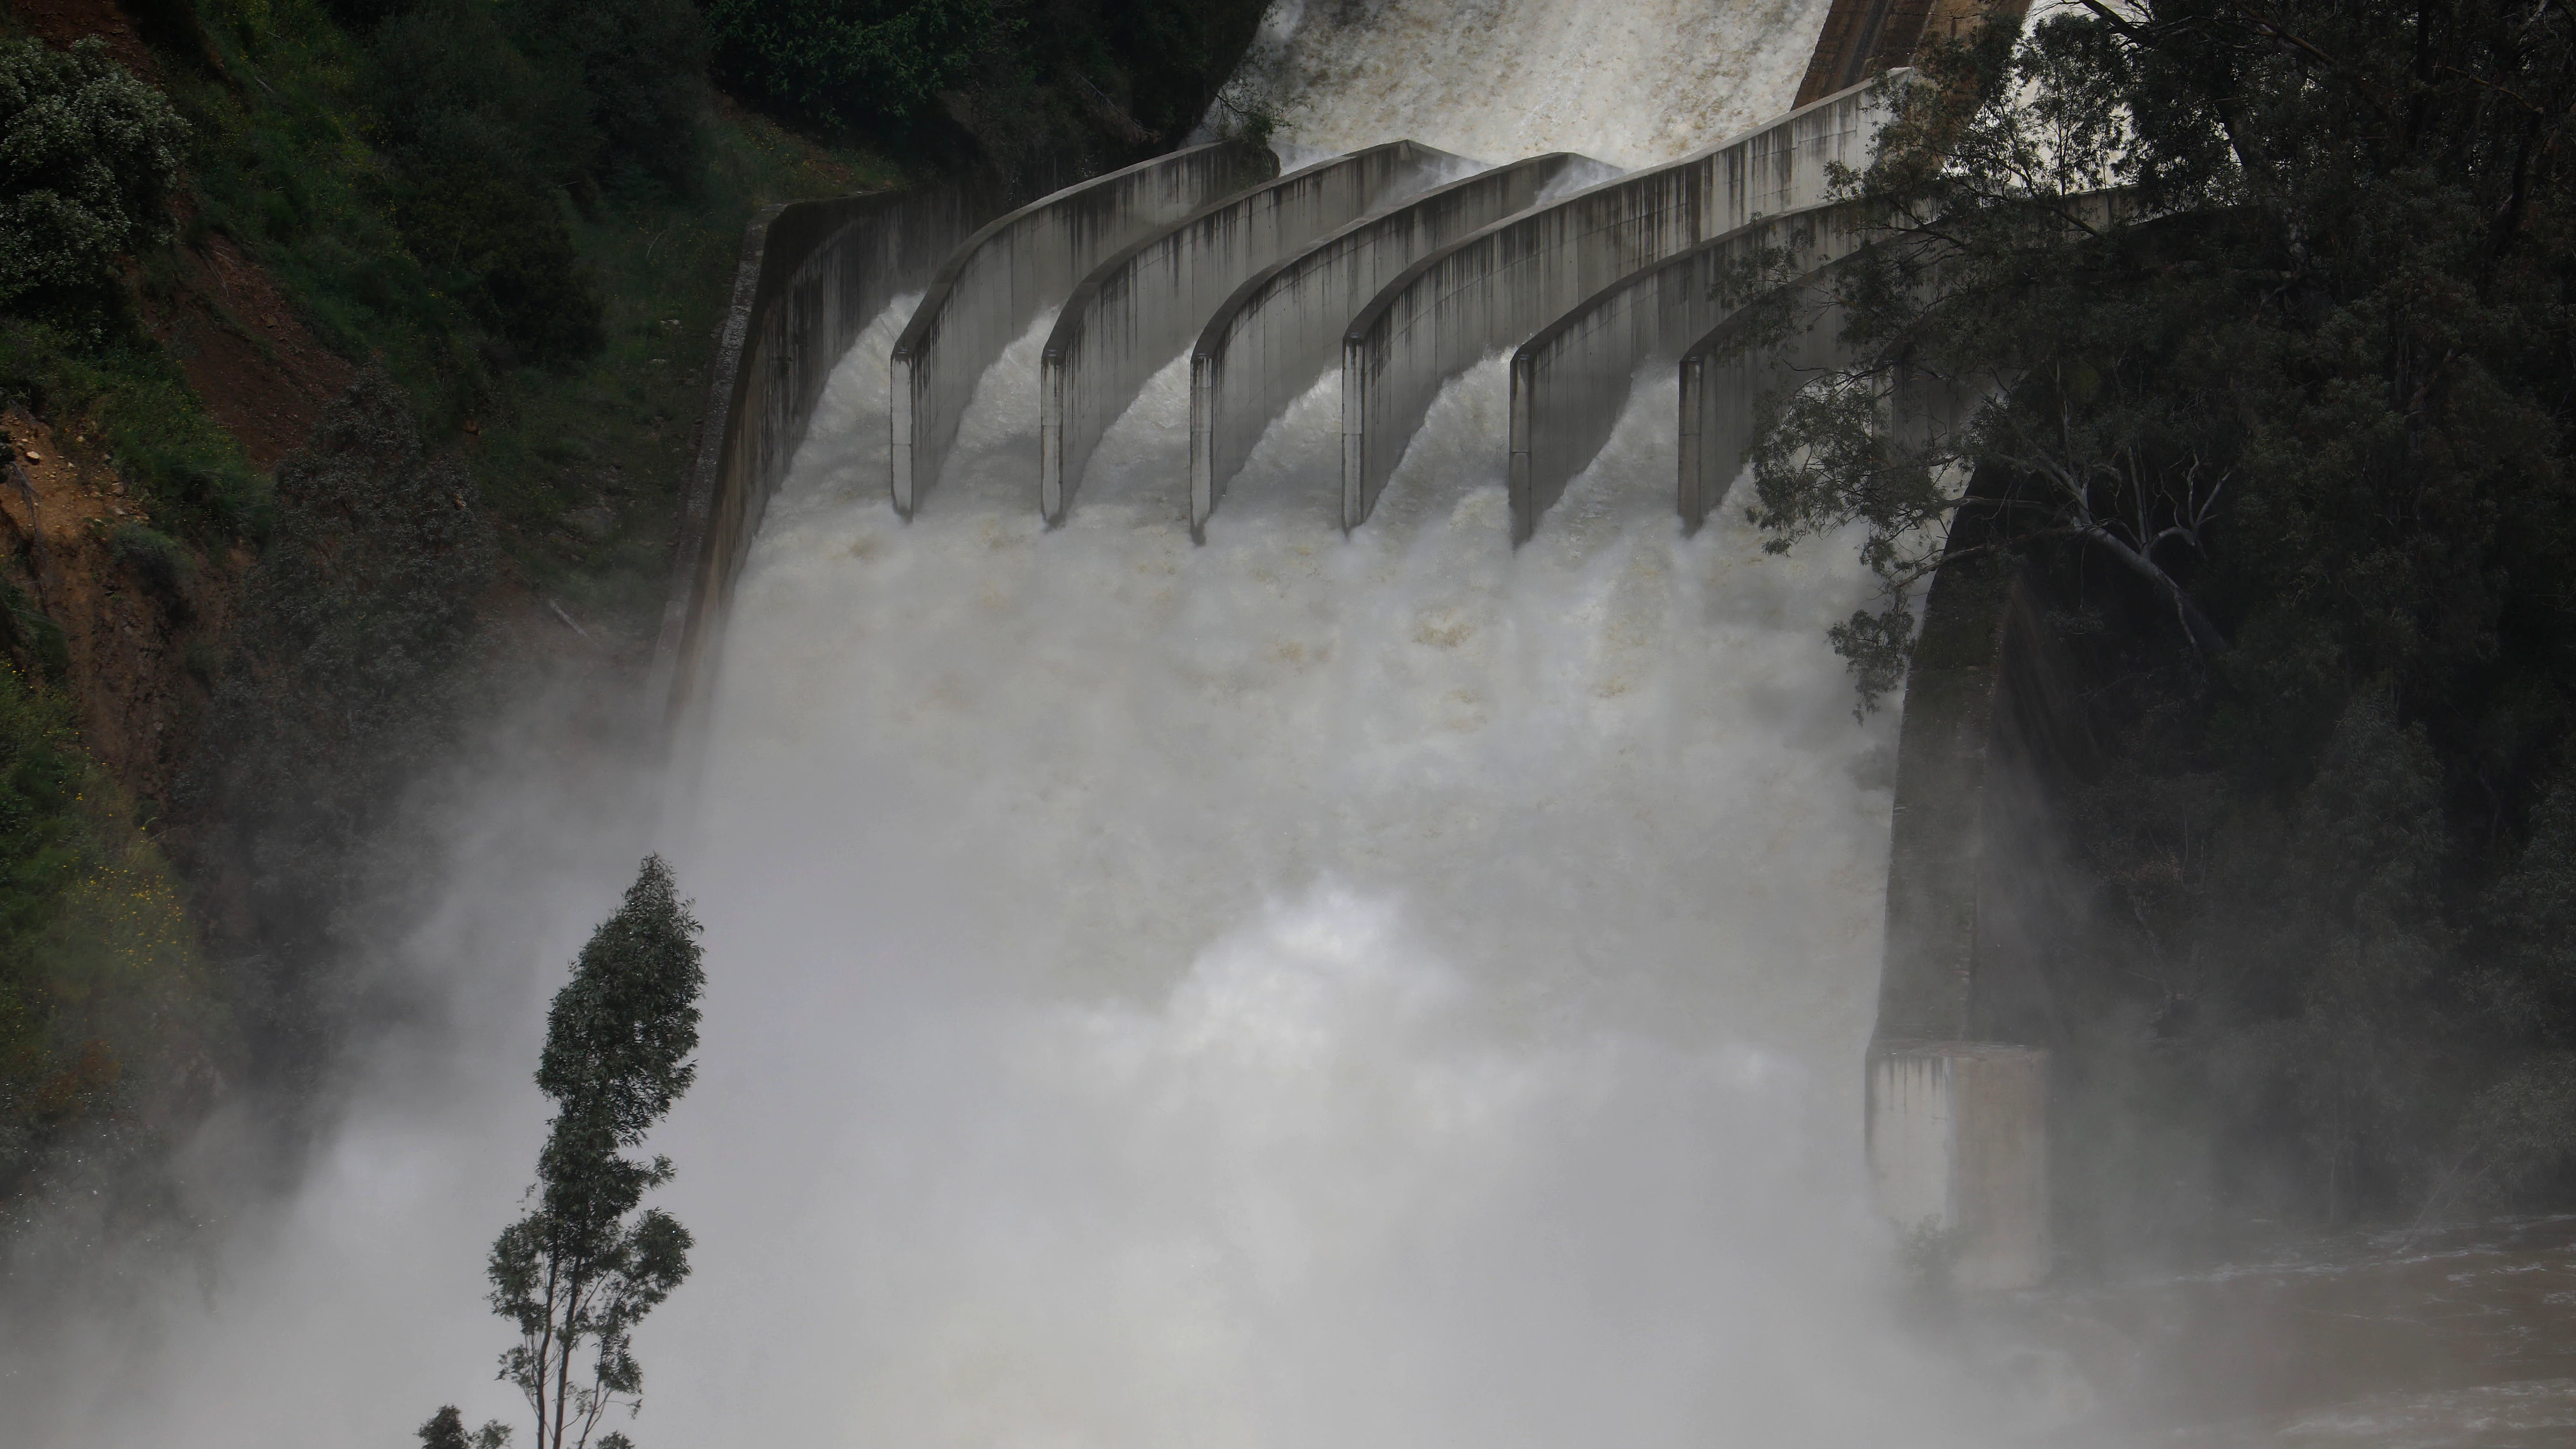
<point x="1633" y="82"/>
<point x="1296" y="991"/>
<point x="1303" y="992"/>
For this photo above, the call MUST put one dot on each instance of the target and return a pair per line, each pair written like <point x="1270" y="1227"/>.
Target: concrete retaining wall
<point x="1958" y="1155"/>
<point x="813" y="273"/>
<point x="1143" y="305"/>
<point x="1571" y="382"/>
<point x="1266" y="344"/>
<point x="1979" y="887"/>
<point x="1498" y="286"/>
<point x="1018" y="266"/>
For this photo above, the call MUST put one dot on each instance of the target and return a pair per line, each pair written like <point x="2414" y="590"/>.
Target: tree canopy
<point x="589" y="1262"/>
<point x="87" y="153"/>
<point x="2262" y="309"/>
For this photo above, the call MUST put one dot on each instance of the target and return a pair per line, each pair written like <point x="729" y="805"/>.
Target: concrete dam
<point x="1280" y="868"/>
<point x="1153" y="332"/>
<point x="1399" y="263"/>
<point x="1312" y="743"/>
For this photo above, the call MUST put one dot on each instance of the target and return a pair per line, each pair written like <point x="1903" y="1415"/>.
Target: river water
<point x="1383" y="992"/>
<point x="2460" y="1337"/>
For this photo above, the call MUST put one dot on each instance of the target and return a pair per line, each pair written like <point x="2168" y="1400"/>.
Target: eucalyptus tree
<point x="589" y="1261"/>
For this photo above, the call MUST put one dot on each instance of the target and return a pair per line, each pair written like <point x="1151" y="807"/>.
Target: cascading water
<point x="1291" y="991"/>
<point x="1633" y="84"/>
<point x="1300" y="991"/>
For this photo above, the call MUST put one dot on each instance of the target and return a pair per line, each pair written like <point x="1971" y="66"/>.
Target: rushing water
<point x="1631" y="82"/>
<point x="1294" y="992"/>
<point x="1297" y="990"/>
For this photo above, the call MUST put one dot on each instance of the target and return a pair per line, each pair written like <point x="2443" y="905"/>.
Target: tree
<point x="2308" y="320"/>
<point x="446" y="1430"/>
<point x="87" y="155"/>
<point x="2259" y="309"/>
<point x="838" y="63"/>
<point x="589" y="1262"/>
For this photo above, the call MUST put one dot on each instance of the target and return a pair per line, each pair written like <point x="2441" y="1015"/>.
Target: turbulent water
<point x="1292" y="991"/>
<point x="1631" y="82"/>
<point x="1301" y="992"/>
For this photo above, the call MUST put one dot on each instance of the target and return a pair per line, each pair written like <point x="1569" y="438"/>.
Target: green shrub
<point x="106" y="1008"/>
<point x="348" y="656"/>
<point x="29" y="635"/>
<point x="839" y="63"/>
<point x="156" y="428"/>
<point x="158" y="561"/>
<point x="503" y="250"/>
<point x="87" y="154"/>
<point x="642" y="65"/>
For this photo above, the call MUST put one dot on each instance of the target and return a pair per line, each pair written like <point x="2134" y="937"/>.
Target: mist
<point x="1370" y="990"/>
<point x="1300" y="989"/>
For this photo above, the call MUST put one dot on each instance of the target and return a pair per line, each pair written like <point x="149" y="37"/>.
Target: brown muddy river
<point x="2454" y="1338"/>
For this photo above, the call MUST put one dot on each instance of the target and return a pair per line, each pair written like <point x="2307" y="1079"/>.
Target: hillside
<point x="355" y="382"/>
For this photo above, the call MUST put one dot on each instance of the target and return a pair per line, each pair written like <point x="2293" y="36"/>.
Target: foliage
<point x="2253" y="320"/>
<point x="338" y="132"/>
<point x="347" y="675"/>
<point x="108" y="1022"/>
<point x="446" y="1430"/>
<point x="156" y="560"/>
<point x="130" y="396"/>
<point x="838" y="63"/>
<point x="87" y="154"/>
<point x="507" y="254"/>
<point x="1027" y="82"/>
<point x="641" y="65"/>
<point x="587" y="1265"/>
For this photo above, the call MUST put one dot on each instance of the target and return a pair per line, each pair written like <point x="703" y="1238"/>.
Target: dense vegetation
<point x="111" y="1025"/>
<point x="87" y="152"/>
<point x="1107" y="81"/>
<point x="2280" y="432"/>
<point x="348" y="682"/>
<point x="517" y="225"/>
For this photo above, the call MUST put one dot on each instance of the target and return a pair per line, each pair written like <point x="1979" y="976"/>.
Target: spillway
<point x="1301" y="988"/>
<point x="1288" y="991"/>
<point x="1394" y="989"/>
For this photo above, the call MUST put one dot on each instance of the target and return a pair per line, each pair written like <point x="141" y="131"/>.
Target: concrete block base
<point x="1958" y="1151"/>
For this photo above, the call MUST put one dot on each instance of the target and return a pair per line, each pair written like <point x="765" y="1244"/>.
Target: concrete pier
<point x="1571" y="382"/>
<point x="1138" y="309"/>
<point x="1021" y="264"/>
<point x="1266" y="345"/>
<point x="1722" y="385"/>
<point x="1500" y="285"/>
<point x="1958" y="1152"/>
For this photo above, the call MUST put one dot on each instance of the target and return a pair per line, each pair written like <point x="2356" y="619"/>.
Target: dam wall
<point x="1139" y="308"/>
<point x="1500" y="285"/>
<point x="1017" y="266"/>
<point x="812" y="275"/>
<point x="1267" y="343"/>
<point x="1571" y="382"/>
<point x="1722" y="386"/>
